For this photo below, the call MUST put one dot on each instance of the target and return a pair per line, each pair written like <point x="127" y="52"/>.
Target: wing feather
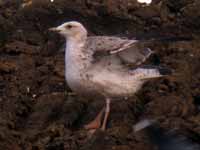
<point x="128" y="51"/>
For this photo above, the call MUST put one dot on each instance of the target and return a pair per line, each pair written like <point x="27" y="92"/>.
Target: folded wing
<point x="131" y="52"/>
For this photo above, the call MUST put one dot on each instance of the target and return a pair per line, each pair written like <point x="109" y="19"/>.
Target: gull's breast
<point x="81" y="83"/>
<point x="76" y="75"/>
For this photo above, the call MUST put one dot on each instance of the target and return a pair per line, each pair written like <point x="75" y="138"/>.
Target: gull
<point x="104" y="67"/>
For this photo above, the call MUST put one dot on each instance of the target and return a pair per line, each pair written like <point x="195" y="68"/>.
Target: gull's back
<point x="115" y="53"/>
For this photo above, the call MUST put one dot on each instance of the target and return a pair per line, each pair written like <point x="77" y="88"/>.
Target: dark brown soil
<point x="39" y="112"/>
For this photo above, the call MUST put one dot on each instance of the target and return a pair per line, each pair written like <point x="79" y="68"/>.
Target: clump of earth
<point x="39" y="112"/>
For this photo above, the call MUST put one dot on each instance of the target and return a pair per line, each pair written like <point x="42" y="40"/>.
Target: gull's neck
<point x="78" y="38"/>
<point x="74" y="47"/>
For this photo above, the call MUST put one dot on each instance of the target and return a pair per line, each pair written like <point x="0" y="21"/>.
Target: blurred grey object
<point x="163" y="139"/>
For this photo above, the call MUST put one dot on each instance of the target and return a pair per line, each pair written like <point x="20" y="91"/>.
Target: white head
<point x="72" y="29"/>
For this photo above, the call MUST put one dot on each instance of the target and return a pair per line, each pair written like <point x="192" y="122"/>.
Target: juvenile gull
<point x="104" y="67"/>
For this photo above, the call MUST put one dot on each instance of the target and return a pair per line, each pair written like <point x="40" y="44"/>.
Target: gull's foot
<point x="91" y="132"/>
<point x="96" y="123"/>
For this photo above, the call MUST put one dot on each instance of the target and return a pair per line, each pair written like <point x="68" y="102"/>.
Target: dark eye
<point x="69" y="26"/>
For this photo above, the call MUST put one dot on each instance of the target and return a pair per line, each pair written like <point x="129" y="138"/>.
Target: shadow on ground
<point x="37" y="109"/>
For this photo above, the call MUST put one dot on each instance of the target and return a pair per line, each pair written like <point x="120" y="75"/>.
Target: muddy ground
<point x="39" y="112"/>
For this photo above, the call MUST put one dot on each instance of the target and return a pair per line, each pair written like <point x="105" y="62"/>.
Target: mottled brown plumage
<point x="100" y="65"/>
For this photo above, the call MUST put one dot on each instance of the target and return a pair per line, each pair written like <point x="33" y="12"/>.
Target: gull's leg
<point x="96" y="123"/>
<point x="107" y="111"/>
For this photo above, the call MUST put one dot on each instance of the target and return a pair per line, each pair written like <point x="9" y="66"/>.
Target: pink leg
<point x="96" y="123"/>
<point x="107" y="111"/>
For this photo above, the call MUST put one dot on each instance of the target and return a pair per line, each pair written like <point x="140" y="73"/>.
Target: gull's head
<point x="72" y="29"/>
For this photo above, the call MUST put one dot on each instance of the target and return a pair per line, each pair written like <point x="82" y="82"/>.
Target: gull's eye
<point x="69" y="26"/>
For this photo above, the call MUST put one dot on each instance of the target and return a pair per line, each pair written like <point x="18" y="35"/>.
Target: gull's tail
<point x="163" y="139"/>
<point x="148" y="72"/>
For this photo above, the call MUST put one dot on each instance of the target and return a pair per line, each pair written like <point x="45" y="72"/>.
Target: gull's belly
<point x="124" y="89"/>
<point x="104" y="83"/>
<point x="116" y="84"/>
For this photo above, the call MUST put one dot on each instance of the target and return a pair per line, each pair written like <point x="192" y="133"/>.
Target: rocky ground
<point x="39" y="112"/>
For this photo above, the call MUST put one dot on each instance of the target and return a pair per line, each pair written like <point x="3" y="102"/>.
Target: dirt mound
<point x="37" y="109"/>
